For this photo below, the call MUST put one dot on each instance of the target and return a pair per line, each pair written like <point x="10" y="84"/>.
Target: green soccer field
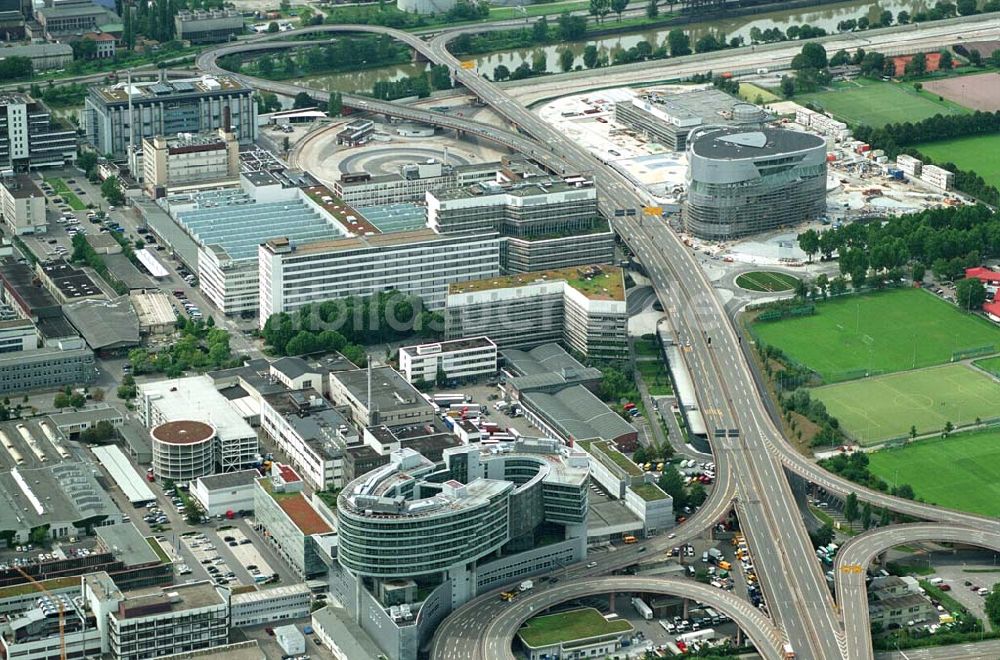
<point x="874" y="410"/>
<point x="960" y="472"/>
<point x="980" y="153"/>
<point x="878" y="333"/>
<point x="875" y="102"/>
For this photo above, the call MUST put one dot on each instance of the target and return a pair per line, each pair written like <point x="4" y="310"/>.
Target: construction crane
<point x="58" y="601"/>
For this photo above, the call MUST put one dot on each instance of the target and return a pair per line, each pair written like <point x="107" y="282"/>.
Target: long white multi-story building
<point x="464" y="359"/>
<point x="418" y="262"/>
<point x="582" y="307"/>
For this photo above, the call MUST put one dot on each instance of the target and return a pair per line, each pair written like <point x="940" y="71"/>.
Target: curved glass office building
<point x="411" y="518"/>
<point x="743" y="181"/>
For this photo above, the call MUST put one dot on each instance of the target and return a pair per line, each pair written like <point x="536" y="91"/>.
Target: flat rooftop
<point x="595" y="282"/>
<point x="126" y="543"/>
<point x="738" y="143"/>
<point x="71" y="282"/>
<point x="709" y="105"/>
<point x="526" y="188"/>
<point x="21" y="280"/>
<point x="389" y="390"/>
<point x="177" y="598"/>
<point x="21" y="186"/>
<point x="352" y="220"/>
<point x="379" y="240"/>
<point x="150" y="91"/>
<point x="313" y="419"/>
<point x="196" y="398"/>
<point x="230" y="479"/>
<point x="435" y="348"/>
<point x="234" y="221"/>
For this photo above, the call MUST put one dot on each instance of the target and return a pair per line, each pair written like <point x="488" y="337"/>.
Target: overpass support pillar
<point x="880" y="559"/>
<point x="687" y="605"/>
<point x="739" y="636"/>
<point x="611" y="602"/>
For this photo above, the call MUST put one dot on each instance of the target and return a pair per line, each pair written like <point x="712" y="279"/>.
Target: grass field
<point x="873" y="410"/>
<point x="766" y="281"/>
<point x="980" y="153"/>
<point x="567" y="626"/>
<point x="991" y="365"/>
<point x="880" y="332"/>
<point x="61" y="189"/>
<point x="875" y="103"/>
<point x="750" y="92"/>
<point x="961" y="472"/>
<point x="654" y="374"/>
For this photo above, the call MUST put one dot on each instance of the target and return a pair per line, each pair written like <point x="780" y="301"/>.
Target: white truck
<point x="526" y="585"/>
<point x="697" y="635"/>
<point x="715" y="554"/>
<point x="642" y="608"/>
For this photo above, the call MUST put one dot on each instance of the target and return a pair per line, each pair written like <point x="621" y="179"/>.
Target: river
<point x="826" y="16"/>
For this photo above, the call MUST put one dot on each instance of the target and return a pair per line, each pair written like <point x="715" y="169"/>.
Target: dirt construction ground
<point x="977" y="92"/>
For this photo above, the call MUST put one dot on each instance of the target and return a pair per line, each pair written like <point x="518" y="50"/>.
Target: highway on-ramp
<point x="857" y="554"/>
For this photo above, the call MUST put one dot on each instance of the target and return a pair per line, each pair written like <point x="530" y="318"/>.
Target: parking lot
<point x="247" y="557"/>
<point x="205" y="553"/>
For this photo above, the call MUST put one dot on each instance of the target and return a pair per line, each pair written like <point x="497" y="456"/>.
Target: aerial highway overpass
<point x="484" y="631"/>
<point x="856" y="555"/>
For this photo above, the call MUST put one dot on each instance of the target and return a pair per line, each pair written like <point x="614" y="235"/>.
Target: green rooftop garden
<point x="568" y="626"/>
<point x="28" y="588"/>
<point x="617" y="458"/>
<point x="154" y="544"/>
<point x="649" y="492"/>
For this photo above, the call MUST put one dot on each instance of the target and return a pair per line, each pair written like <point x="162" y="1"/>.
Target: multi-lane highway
<point x="855" y="556"/>
<point x="751" y="458"/>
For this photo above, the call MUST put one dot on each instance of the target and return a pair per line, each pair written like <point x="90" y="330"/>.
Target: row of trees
<point x="775" y="34"/>
<point x="600" y="9"/>
<point x="342" y="322"/>
<point x="948" y="239"/>
<point x="854" y="467"/>
<point x="341" y="54"/>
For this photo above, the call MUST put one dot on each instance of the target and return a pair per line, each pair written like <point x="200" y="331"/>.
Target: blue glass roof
<point x="232" y="220"/>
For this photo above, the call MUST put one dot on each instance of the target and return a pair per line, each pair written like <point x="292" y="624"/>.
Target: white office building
<point x="311" y="433"/>
<point x="219" y="494"/>
<point x="462" y="359"/>
<point x="253" y="608"/>
<point x="418" y="262"/>
<point x="23" y="205"/>
<point x="196" y="399"/>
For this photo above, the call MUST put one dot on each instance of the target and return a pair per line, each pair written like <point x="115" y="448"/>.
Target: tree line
<point x="341" y="54"/>
<point x="948" y="240"/>
<point x="345" y="324"/>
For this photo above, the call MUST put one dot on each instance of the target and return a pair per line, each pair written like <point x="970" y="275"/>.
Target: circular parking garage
<point x="183" y="450"/>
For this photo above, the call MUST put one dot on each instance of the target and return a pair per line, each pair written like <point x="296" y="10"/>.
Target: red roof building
<point x="984" y="275"/>
<point x="992" y="309"/>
